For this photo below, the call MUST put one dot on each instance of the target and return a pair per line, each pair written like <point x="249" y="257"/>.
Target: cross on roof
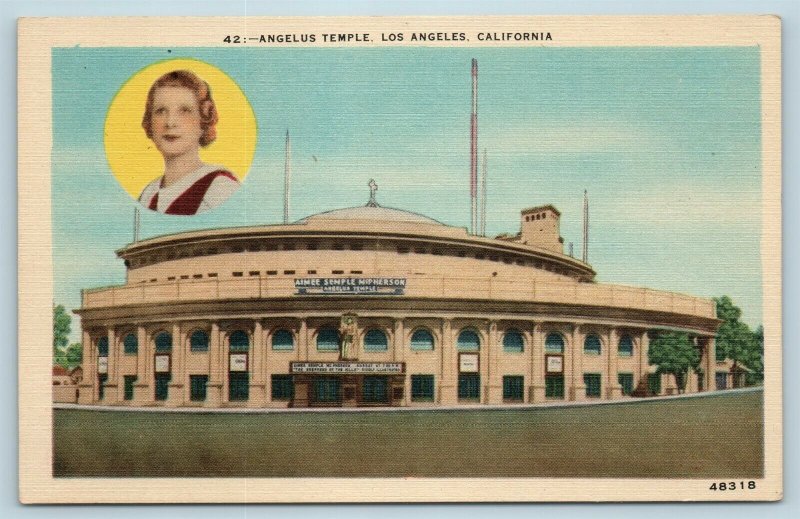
<point x="373" y="187"/>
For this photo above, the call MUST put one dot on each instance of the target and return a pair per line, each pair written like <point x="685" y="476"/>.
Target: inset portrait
<point x="196" y="141"/>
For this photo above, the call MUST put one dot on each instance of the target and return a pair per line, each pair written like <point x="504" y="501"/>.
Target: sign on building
<point x="162" y="363"/>
<point x="102" y="365"/>
<point x="238" y="362"/>
<point x="389" y="368"/>
<point x="361" y="286"/>
<point x="468" y="363"/>
<point x="555" y="364"/>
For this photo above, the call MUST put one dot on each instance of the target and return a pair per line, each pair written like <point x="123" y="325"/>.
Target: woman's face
<point x="176" y="121"/>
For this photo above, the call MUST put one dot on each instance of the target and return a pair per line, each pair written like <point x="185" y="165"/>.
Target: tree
<point x="61" y="330"/>
<point x="735" y="340"/>
<point x="674" y="353"/>
<point x="73" y="356"/>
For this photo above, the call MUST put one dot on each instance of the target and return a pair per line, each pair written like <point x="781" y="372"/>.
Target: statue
<point x="347" y="333"/>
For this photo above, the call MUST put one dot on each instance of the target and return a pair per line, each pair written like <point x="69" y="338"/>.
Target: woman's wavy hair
<point x="205" y="103"/>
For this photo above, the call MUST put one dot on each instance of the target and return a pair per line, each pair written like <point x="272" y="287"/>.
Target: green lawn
<point x="708" y="437"/>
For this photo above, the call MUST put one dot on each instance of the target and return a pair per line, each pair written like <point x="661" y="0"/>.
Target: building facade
<point x="372" y="306"/>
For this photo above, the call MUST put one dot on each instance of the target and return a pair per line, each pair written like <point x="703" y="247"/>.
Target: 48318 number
<point x="733" y="485"/>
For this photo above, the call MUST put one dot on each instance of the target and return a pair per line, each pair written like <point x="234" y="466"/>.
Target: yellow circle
<point x="133" y="157"/>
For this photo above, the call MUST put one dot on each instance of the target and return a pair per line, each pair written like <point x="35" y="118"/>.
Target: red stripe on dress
<point x="189" y="201"/>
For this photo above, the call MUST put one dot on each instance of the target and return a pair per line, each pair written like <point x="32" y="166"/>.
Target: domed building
<point x="374" y="306"/>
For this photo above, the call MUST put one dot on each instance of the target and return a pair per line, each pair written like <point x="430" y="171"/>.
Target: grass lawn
<point x="707" y="437"/>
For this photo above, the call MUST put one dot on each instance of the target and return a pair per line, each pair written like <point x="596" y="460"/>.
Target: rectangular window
<point x="272" y="272"/>
<point x="197" y="387"/>
<point x="238" y="386"/>
<point x="282" y="387"/>
<point x="327" y="390"/>
<point x="513" y="388"/>
<point x="212" y="274"/>
<point x="554" y="386"/>
<point x="626" y="381"/>
<point x="722" y="380"/>
<point x="701" y="380"/>
<point x="469" y="386"/>
<point x="288" y="272"/>
<point x="162" y="386"/>
<point x="129" y="380"/>
<point x="101" y="386"/>
<point x="375" y="390"/>
<point x="238" y="274"/>
<point x="422" y="388"/>
<point x="255" y="272"/>
<point x="592" y="382"/>
<point x="654" y="383"/>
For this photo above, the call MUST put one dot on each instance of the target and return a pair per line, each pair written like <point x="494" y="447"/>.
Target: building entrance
<point x="345" y="384"/>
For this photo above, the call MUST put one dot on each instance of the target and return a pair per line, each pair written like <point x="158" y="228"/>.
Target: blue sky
<point x="666" y="141"/>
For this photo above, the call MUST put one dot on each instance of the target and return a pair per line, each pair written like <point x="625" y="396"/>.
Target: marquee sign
<point x="390" y="368"/>
<point x="362" y="286"/>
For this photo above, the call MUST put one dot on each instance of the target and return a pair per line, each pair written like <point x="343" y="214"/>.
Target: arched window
<point x="283" y="340"/>
<point x="468" y="340"/>
<point x="198" y="341"/>
<point x="130" y="344"/>
<point x="102" y="346"/>
<point x="625" y="346"/>
<point x="591" y="345"/>
<point x="328" y="339"/>
<point x="554" y="343"/>
<point x="239" y="341"/>
<point x="513" y="342"/>
<point x="421" y="340"/>
<point x="164" y="342"/>
<point x="375" y="340"/>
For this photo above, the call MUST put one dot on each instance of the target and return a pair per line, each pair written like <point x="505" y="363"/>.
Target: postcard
<point x="400" y="259"/>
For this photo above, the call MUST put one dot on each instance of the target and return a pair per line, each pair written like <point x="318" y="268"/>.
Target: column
<point x="214" y="387"/>
<point x="537" y="364"/>
<point x="448" y="382"/>
<point x="644" y="364"/>
<point x="710" y="364"/>
<point x="88" y="387"/>
<point x="613" y="388"/>
<point x="303" y="337"/>
<point x="110" y="395"/>
<point x="399" y="355"/>
<point x="143" y="389"/>
<point x="577" y="387"/>
<point x="494" y="383"/>
<point x="178" y="376"/>
<point x="258" y="392"/>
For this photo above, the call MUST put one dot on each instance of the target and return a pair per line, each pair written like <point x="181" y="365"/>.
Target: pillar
<point x="537" y="364"/>
<point x="214" y="387"/>
<point x="613" y="387"/>
<point x="258" y="386"/>
<point x="88" y="387"/>
<point x="178" y="376"/>
<point x="399" y="355"/>
<point x="644" y="362"/>
<point x="303" y="337"/>
<point x="493" y="393"/>
<point x="143" y="392"/>
<point x="710" y="364"/>
<point x="448" y="382"/>
<point x="577" y="387"/>
<point x="111" y="395"/>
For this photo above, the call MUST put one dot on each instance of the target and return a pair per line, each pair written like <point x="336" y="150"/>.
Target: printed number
<point x="733" y="485"/>
<point x="232" y="39"/>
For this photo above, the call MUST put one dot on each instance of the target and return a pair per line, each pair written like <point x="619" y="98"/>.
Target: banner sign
<point x="347" y="367"/>
<point x="162" y="363"/>
<point x="238" y="362"/>
<point x="468" y="363"/>
<point x="102" y="365"/>
<point x="555" y="364"/>
<point x="336" y="286"/>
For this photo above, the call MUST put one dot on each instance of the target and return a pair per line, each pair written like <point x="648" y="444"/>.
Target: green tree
<point x="735" y="340"/>
<point x="73" y="356"/>
<point x="673" y="353"/>
<point x="61" y="329"/>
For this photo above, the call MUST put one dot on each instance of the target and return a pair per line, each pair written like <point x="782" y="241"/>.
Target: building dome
<point x="373" y="213"/>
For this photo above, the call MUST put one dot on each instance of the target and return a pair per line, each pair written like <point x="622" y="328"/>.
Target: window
<point x="328" y="339"/>
<point x="197" y="387"/>
<point x="554" y="343"/>
<point x="238" y="274"/>
<point x="422" y="388"/>
<point x="468" y="340"/>
<point x="554" y="386"/>
<point x="288" y="272"/>
<point x="282" y="387"/>
<point x="130" y="344"/>
<point x="422" y="340"/>
<point x="469" y="386"/>
<point x="513" y="388"/>
<point x="591" y="345"/>
<point x="162" y="386"/>
<point x="164" y="342"/>
<point x="513" y="342"/>
<point x="272" y="272"/>
<point x="129" y="381"/>
<point x="101" y="386"/>
<point x="375" y="340"/>
<point x="654" y="383"/>
<point x="102" y="346"/>
<point x="282" y="340"/>
<point x="255" y="272"/>
<point x="721" y="380"/>
<point x="198" y="341"/>
<point x="238" y="386"/>
<point x="626" y="381"/>
<point x="326" y="390"/>
<point x="625" y="348"/>
<point x="592" y="382"/>
<point x="239" y="341"/>
<point x="375" y="390"/>
<point x="701" y="380"/>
